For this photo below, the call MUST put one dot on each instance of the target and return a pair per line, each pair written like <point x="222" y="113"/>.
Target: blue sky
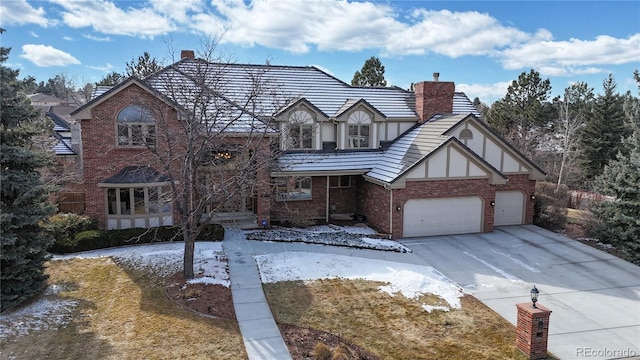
<point x="480" y="45"/>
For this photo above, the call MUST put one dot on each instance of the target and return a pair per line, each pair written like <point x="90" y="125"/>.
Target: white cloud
<point x="33" y="34"/>
<point x="68" y="38"/>
<point x="487" y="93"/>
<point x="44" y="56"/>
<point x="96" y="38"/>
<point x="105" y="17"/>
<point x="178" y="10"/>
<point x="106" y="68"/>
<point x="572" y="56"/>
<point x="19" y="12"/>
<point x="295" y="26"/>
<point x="453" y="34"/>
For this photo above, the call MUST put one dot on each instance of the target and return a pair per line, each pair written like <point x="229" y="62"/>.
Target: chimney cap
<point x="436" y="76"/>
<point x="187" y="54"/>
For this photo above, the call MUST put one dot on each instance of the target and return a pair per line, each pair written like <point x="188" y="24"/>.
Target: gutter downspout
<point x="327" y="203"/>
<point x="388" y="187"/>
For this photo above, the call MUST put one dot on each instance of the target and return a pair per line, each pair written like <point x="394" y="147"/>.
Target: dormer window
<point x="136" y="127"/>
<point x="300" y="131"/>
<point x="358" y="125"/>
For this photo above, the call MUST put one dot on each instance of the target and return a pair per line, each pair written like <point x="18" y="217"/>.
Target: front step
<point x="240" y="220"/>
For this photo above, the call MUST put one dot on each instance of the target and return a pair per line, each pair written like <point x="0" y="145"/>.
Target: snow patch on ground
<point x="209" y="260"/>
<point x="47" y="312"/>
<point x="409" y="280"/>
<point x="50" y="311"/>
<point x="429" y="308"/>
<point x="350" y="236"/>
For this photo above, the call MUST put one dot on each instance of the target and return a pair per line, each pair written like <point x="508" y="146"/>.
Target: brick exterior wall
<point x="102" y="157"/>
<point x="532" y="330"/>
<point x="301" y="210"/>
<point x="373" y="202"/>
<point x="374" y="199"/>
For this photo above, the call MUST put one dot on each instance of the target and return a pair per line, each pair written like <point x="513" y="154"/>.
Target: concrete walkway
<point x="261" y="336"/>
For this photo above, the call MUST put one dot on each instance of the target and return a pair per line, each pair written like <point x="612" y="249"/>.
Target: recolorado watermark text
<point x="587" y="352"/>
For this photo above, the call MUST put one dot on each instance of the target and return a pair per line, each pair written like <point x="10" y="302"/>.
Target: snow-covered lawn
<point x="51" y="311"/>
<point x="362" y="237"/>
<point x="210" y="266"/>
<point x="409" y="280"/>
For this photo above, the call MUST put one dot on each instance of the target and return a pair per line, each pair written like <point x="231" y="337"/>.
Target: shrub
<point x="64" y="227"/>
<point x="549" y="209"/>
<point x="99" y="239"/>
<point x="321" y="352"/>
<point x="341" y="353"/>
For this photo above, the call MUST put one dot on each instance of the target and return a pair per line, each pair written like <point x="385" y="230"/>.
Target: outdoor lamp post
<point x="534" y="295"/>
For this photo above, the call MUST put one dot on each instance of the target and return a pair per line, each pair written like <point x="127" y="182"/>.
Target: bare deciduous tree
<point x="573" y="109"/>
<point x="212" y="139"/>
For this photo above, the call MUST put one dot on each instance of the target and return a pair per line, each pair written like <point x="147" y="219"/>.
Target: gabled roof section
<point x="495" y="135"/>
<point x="60" y="124"/>
<point x="353" y="103"/>
<point x="297" y="102"/>
<point x="62" y="146"/>
<point x="83" y="112"/>
<point x="413" y="147"/>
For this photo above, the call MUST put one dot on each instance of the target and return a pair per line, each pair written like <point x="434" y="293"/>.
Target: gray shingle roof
<point x="279" y="86"/>
<point x="414" y="146"/>
<point x="62" y="145"/>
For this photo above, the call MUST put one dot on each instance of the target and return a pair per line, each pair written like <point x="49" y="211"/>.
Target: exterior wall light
<point x="532" y="197"/>
<point x="398" y="208"/>
<point x="534" y="295"/>
<point x="493" y="203"/>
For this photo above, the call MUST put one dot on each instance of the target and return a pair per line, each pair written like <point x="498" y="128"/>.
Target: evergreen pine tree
<point x="24" y="197"/>
<point x="601" y="138"/>
<point x="371" y="74"/>
<point x="619" y="219"/>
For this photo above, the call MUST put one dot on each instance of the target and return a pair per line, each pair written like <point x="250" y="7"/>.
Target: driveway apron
<point x="594" y="296"/>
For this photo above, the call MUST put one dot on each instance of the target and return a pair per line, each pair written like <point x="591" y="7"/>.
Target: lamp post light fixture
<point x="534" y="295"/>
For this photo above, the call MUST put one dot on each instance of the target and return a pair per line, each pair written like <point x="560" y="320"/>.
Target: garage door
<point x="425" y="217"/>
<point x="509" y="208"/>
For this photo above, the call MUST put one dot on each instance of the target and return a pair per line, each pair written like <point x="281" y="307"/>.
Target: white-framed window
<point x="340" y="181"/>
<point x="294" y="188"/>
<point x="299" y="134"/>
<point x="136" y="127"/>
<point x="133" y="201"/>
<point x="358" y="130"/>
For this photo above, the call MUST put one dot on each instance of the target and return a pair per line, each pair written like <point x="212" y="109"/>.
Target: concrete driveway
<point x="594" y="296"/>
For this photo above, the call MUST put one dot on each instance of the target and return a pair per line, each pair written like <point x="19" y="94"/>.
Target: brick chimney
<point x="187" y="54"/>
<point x="434" y="97"/>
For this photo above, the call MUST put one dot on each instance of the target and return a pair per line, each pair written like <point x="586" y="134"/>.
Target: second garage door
<point x="426" y="217"/>
<point x="509" y="208"/>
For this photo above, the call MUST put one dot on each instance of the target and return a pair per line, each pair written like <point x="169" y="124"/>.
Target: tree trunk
<point x="189" y="247"/>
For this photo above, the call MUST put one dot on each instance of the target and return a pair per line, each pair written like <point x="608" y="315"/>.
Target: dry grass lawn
<point x="123" y="314"/>
<point x="394" y="327"/>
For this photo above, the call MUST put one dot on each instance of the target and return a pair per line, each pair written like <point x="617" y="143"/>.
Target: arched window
<point x="358" y="123"/>
<point x="136" y="127"/>
<point x="300" y="130"/>
<point x="466" y="134"/>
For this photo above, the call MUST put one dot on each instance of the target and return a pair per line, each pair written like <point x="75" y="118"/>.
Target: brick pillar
<point x="532" y="331"/>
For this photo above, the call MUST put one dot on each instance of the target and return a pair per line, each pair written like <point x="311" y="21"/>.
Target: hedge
<point x="100" y="239"/>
